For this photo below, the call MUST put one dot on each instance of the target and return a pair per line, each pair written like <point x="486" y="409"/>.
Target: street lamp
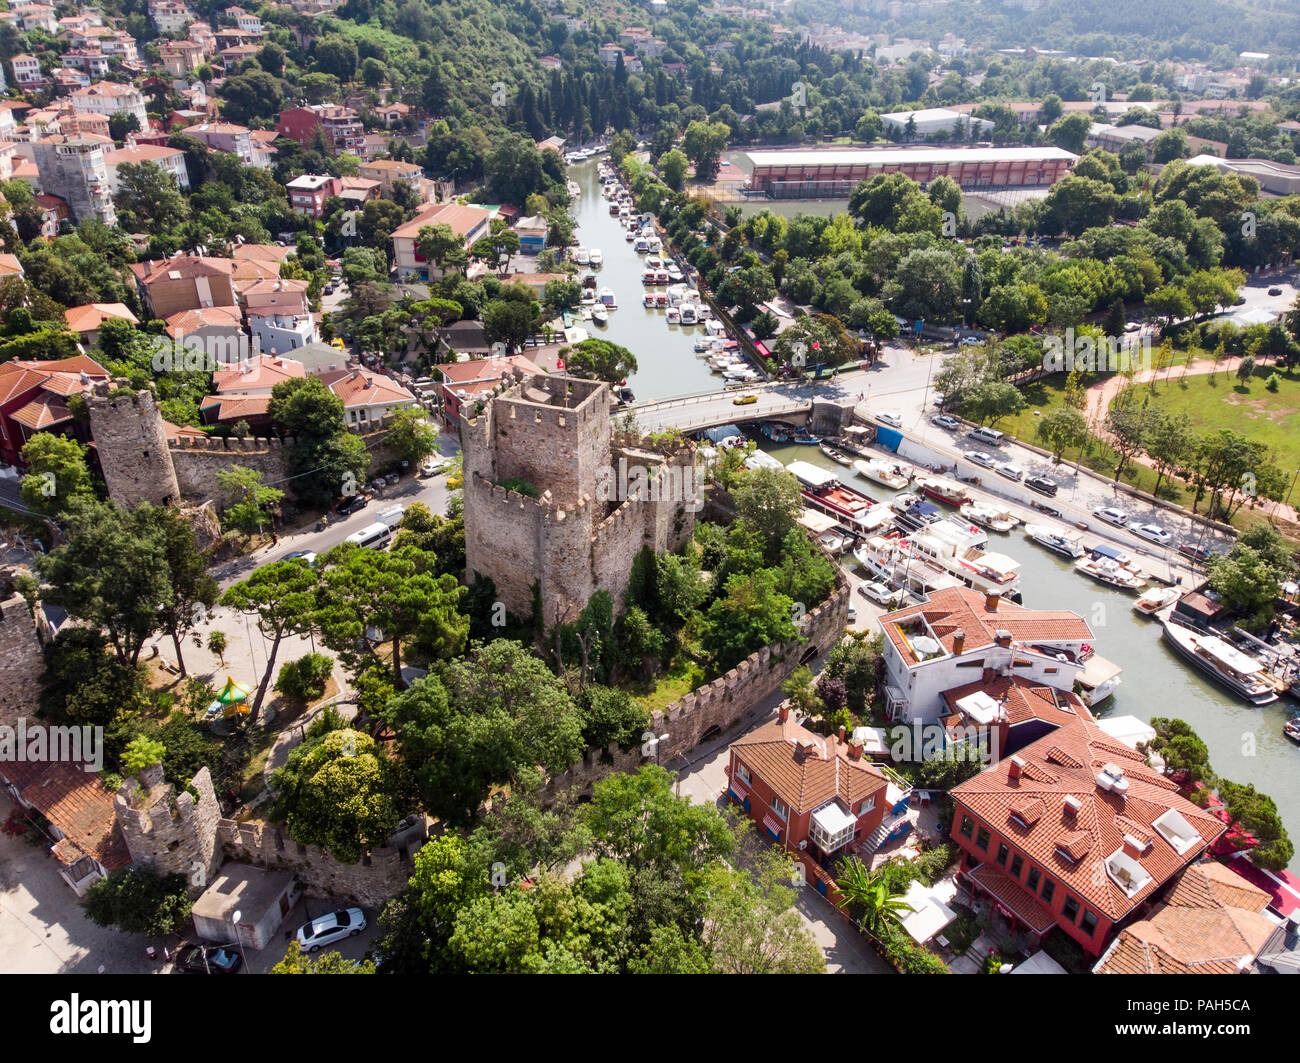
<point x="238" y="942"/>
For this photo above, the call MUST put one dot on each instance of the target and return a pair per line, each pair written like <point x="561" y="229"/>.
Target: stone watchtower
<point x="172" y="833"/>
<point x="544" y="497"/>
<point x="132" y="446"/>
<point x="21" y="658"/>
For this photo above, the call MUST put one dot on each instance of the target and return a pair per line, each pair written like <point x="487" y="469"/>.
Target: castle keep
<point x="591" y="517"/>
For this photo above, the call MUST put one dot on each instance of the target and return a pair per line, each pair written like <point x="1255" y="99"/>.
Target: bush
<point x="1273" y="382"/>
<point x="139" y="901"/>
<point x="305" y="678"/>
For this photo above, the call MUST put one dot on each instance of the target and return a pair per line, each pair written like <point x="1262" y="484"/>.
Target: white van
<point x="392" y="516"/>
<point x="373" y="536"/>
<point x="986" y="435"/>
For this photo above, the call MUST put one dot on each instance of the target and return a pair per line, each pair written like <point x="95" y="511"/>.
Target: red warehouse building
<point x="812" y="794"/>
<point x="816" y="173"/>
<point x="1076" y="832"/>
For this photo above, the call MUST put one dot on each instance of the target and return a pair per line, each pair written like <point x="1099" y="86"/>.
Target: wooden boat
<point x="1228" y="666"/>
<point x="836" y="456"/>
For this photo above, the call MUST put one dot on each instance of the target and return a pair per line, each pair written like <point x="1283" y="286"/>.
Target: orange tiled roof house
<point x="1074" y="832"/>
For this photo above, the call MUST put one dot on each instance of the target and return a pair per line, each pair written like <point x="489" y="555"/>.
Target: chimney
<point x="809" y="748"/>
<point x="1014" y="768"/>
<point x="1132" y="847"/>
<point x="783" y="713"/>
<point x="1072" y="805"/>
<point x="1002" y="637"/>
<point x="855" y="750"/>
<point x="958" y="642"/>
<point x="991" y="600"/>
<point x="989" y="675"/>
<point x="843" y="732"/>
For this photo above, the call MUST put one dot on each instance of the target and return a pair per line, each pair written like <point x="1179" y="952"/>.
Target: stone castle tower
<point x="132" y="447"/>
<point x="172" y="833"/>
<point x="21" y="658"/>
<point x="585" y="528"/>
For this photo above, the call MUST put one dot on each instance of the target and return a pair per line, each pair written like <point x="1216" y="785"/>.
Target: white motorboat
<point x="887" y="473"/>
<point x="1064" y="543"/>
<point x="1157" y="598"/>
<point x="606" y="298"/>
<point x="588" y="297"/>
<point x="988" y="516"/>
<point x="702" y="344"/>
<point x="1108" y="570"/>
<point x="600" y="315"/>
<point x="674" y="315"/>
<point x="714" y="327"/>
<point x="581" y="256"/>
<point x="596" y="256"/>
<point x="1230" y="667"/>
<point x="674" y="274"/>
<point x="688" y="314"/>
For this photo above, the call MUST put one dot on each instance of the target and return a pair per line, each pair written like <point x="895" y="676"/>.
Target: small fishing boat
<point x="588" y="296"/>
<point x="1291" y="729"/>
<point x="597" y="256"/>
<point x="1152" y="601"/>
<point x="839" y="457"/>
<point x="649" y="300"/>
<point x="661" y="301"/>
<point x="987" y="516"/>
<point x="702" y="344"/>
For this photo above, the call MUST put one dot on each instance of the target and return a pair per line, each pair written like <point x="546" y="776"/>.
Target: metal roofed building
<point x="813" y="173"/>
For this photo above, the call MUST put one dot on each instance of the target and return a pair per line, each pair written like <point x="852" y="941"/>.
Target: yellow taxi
<point x="744" y="400"/>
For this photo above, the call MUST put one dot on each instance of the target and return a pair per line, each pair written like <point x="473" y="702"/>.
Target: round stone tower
<point x="132" y="446"/>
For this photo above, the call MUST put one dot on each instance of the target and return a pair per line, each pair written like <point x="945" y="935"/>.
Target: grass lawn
<point x="1248" y="409"/>
<point x="683" y="676"/>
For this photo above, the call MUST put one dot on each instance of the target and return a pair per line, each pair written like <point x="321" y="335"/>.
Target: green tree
<point x="338" y="792"/>
<point x="57" y="476"/>
<point x="281" y="599"/>
<point x="1181" y="749"/>
<point x="601" y="359"/>
<point x="412" y="436"/>
<point x="138" y="900"/>
<point x="1061" y="429"/>
<point x="869" y="897"/>
<point x="253" y="504"/>
<point x="112" y="573"/>
<point x="703" y="144"/>
<point x="510" y="322"/>
<point x="751" y="925"/>
<point x="148" y="199"/>
<point x="391" y="591"/>
<point x="332" y="962"/>
<point x="767" y="503"/>
<point x="751" y="614"/>
<point x="672" y="167"/>
<point x="193" y="591"/>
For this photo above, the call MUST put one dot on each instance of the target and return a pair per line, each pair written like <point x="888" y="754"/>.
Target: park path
<point x="1101" y="394"/>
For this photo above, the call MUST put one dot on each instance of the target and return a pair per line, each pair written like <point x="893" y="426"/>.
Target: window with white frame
<point x="780" y="808"/>
<point x="742" y="773"/>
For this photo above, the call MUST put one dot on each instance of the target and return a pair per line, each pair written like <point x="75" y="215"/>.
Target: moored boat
<point x="1230" y="667"/>
<point x="1108" y="570"/>
<point x="1064" y="543"/>
<point x="941" y="489"/>
<point x="887" y="473"/>
<point x="836" y="456"/>
<point x="988" y="516"/>
<point x="1157" y="598"/>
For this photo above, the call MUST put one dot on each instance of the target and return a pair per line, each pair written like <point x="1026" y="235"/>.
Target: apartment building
<point x="74" y="169"/>
<point x="110" y="98"/>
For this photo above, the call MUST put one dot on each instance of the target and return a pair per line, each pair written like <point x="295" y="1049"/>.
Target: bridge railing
<point x="736" y="413"/>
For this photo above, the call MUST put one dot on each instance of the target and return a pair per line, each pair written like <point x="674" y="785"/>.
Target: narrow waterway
<point x="1246" y="744"/>
<point x="667" y="364"/>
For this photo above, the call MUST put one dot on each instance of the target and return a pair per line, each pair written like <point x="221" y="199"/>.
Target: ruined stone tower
<point x="132" y="447"/>
<point x="21" y="659"/>
<point x="172" y="833"/>
<point x="583" y="529"/>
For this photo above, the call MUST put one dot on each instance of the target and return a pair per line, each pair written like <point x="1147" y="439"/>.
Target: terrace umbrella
<point x="233" y="697"/>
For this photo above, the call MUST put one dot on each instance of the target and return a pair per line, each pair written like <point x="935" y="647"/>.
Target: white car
<point x="1111" y="515"/>
<point x="944" y="421"/>
<point x="890" y="419"/>
<point x="433" y="466"/>
<point x="978" y="457"/>
<point x="1010" y="471"/>
<point x="877" y="592"/>
<point x="1153" y="532"/>
<point x="853" y="615"/>
<point x="327" y="929"/>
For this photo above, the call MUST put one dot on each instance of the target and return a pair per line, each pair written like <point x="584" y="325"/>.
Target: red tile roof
<point x="962" y="609"/>
<point x="1212" y="922"/>
<point x="41" y="413"/>
<point x="803" y="781"/>
<point x="75" y="802"/>
<point x="1073" y="846"/>
<point x="1013" y="896"/>
<point x="1025" y="700"/>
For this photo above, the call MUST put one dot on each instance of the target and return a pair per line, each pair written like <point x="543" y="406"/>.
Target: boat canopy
<point x="811" y="475"/>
